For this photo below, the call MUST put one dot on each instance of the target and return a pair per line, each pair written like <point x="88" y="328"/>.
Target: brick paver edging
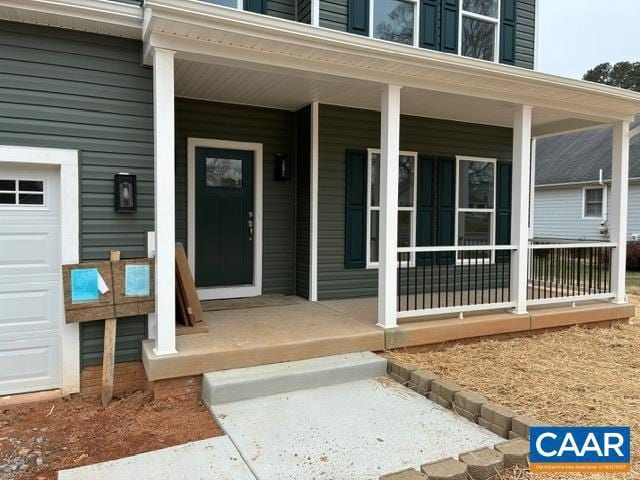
<point x="479" y="464"/>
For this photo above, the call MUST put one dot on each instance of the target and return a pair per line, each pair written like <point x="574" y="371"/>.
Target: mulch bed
<point x="576" y="376"/>
<point x="52" y="436"/>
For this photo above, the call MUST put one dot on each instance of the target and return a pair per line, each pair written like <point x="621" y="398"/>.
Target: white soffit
<point x="93" y="16"/>
<point x="212" y="34"/>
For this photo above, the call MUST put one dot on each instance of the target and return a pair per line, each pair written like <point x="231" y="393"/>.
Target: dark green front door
<point x="224" y="217"/>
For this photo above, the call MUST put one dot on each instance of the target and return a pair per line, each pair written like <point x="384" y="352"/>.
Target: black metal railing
<point x="453" y="278"/>
<point x="568" y="270"/>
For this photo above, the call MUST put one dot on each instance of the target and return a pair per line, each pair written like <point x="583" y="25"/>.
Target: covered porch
<point x="341" y="94"/>
<point x="286" y="328"/>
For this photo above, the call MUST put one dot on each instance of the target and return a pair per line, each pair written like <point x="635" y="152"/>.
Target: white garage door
<point x="30" y="284"/>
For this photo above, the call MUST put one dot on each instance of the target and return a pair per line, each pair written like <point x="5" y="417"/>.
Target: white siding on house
<point x="558" y="214"/>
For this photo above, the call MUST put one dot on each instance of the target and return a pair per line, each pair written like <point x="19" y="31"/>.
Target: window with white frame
<point x="18" y="192"/>
<point x="593" y="202"/>
<point x="475" y="202"/>
<point x="394" y="20"/>
<point x="479" y="25"/>
<point x="406" y="204"/>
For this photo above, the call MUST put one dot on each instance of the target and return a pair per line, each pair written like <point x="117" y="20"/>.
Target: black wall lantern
<point x="282" y="167"/>
<point x="126" y="198"/>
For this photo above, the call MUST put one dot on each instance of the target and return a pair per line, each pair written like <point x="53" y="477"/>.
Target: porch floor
<point x="244" y="337"/>
<point x="297" y="329"/>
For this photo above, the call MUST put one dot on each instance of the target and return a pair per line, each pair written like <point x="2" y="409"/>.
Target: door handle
<point x="250" y="225"/>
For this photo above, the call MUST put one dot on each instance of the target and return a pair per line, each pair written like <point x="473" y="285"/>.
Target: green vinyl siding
<point x="343" y="129"/>
<point x="303" y="200"/>
<point x="282" y="9"/>
<point x="64" y="89"/>
<point x="334" y="14"/>
<point x="275" y="129"/>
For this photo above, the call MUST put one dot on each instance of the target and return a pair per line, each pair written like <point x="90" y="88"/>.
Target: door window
<point x="223" y="172"/>
<point x="19" y="192"/>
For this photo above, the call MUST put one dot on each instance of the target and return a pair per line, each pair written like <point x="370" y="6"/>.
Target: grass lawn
<point x="576" y="376"/>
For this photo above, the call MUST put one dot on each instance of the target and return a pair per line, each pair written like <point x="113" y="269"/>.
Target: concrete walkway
<point x="291" y="421"/>
<point x="211" y="459"/>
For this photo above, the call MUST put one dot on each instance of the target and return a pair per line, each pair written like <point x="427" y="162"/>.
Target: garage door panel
<point x="29" y="307"/>
<point x="28" y="249"/>
<point x="31" y="302"/>
<point x="29" y="365"/>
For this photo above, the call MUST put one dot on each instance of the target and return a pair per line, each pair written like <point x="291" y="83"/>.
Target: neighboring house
<point x="294" y="146"/>
<point x="573" y="186"/>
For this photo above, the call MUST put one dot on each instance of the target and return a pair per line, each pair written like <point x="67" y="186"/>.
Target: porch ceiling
<point x="292" y="90"/>
<point x="233" y="56"/>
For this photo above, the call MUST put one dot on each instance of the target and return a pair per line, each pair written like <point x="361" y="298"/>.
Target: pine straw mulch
<point x="577" y="376"/>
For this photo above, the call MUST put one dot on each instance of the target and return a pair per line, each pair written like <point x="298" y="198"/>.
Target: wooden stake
<point x="109" y="352"/>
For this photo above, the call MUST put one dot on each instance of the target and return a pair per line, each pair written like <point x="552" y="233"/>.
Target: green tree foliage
<point x="622" y="74"/>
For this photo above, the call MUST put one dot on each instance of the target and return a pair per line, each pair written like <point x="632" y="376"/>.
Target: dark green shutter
<point x="446" y="200"/>
<point x="449" y="26"/>
<point x="426" y="207"/>
<point x="503" y="206"/>
<point x="256" y="6"/>
<point x="508" y="32"/>
<point x="355" y="251"/>
<point x="358" y="17"/>
<point x="429" y="14"/>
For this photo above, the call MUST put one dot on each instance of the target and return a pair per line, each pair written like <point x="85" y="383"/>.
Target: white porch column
<point x="520" y="190"/>
<point x="389" y="165"/>
<point x="164" y="197"/>
<point x="619" y="207"/>
<point x="532" y="189"/>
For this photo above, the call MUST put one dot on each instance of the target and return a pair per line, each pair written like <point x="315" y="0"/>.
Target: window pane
<point x="7" y="198"/>
<point x="404" y="228"/>
<point x="476" y="184"/>
<point x="593" y="210"/>
<point x="375" y="179"/>
<point x="594" y="195"/>
<point x="374" y="244"/>
<point x="7" y="185"/>
<point x="31" y="186"/>
<point x="478" y="38"/>
<point x="482" y="7"/>
<point x="31" y="199"/>
<point x="224" y="3"/>
<point x="393" y="20"/>
<point x="223" y="172"/>
<point x="405" y="182"/>
<point x="474" y="228"/>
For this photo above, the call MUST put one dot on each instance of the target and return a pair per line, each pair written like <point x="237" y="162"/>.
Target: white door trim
<point x="234" y="291"/>
<point x="69" y="241"/>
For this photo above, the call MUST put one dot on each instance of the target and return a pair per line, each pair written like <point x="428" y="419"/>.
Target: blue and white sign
<point x="580" y="449"/>
<point x="137" y="280"/>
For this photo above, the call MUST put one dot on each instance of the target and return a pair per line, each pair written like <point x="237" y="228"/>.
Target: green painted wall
<point x="64" y="89"/>
<point x="275" y="129"/>
<point x="343" y="128"/>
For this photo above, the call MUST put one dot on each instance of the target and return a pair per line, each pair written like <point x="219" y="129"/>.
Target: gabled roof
<point x="578" y="157"/>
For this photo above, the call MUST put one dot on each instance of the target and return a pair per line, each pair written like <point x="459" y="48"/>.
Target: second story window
<point x="394" y="20"/>
<point x="479" y="29"/>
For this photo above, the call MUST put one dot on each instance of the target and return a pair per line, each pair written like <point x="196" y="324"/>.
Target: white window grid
<point x="16" y="193"/>
<point x="603" y="212"/>
<point x="412" y="209"/>
<point x="490" y="211"/>
<point x="493" y="20"/>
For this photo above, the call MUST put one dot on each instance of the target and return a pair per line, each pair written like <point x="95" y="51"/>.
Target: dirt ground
<point x="51" y="436"/>
<point x="577" y="376"/>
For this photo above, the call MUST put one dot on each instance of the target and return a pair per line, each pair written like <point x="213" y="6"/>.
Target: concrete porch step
<point x="252" y="382"/>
